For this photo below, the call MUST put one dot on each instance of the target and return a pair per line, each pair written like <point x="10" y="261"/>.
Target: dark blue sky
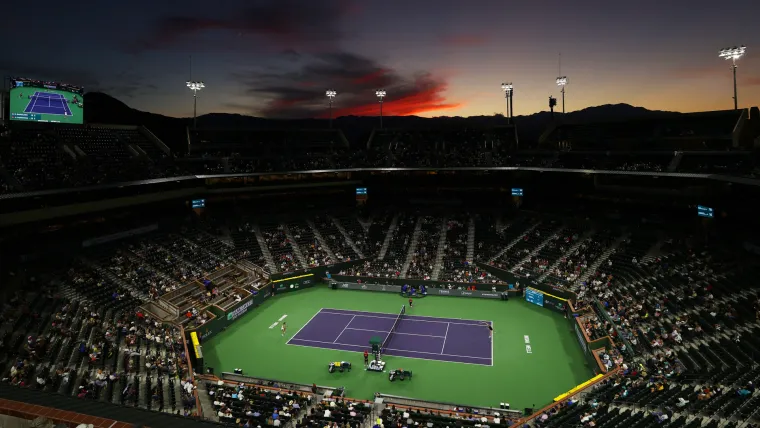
<point x="443" y="57"/>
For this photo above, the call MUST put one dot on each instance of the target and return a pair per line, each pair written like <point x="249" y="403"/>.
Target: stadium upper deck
<point x="60" y="157"/>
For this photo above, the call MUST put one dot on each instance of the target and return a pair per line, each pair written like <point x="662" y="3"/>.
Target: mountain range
<point x="102" y="108"/>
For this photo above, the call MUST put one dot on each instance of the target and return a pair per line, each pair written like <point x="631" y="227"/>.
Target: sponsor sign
<point x="434" y="291"/>
<point x="206" y="333"/>
<point x="239" y="311"/>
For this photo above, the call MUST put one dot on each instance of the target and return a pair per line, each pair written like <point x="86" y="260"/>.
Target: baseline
<point x="389" y="349"/>
<point x="412" y="318"/>
<point x="303" y="326"/>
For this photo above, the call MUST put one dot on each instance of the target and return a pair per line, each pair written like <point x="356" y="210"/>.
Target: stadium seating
<point x="686" y="312"/>
<point x="239" y="403"/>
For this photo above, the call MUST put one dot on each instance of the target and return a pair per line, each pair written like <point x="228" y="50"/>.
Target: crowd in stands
<point x="394" y="416"/>
<point x="255" y="406"/>
<point x="311" y="247"/>
<point x="681" y="308"/>
<point x="335" y="240"/>
<point x="281" y="247"/>
<point x="337" y="412"/>
<point x="424" y="254"/>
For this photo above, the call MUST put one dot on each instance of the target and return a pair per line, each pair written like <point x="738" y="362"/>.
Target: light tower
<point x="561" y="82"/>
<point x="733" y="54"/>
<point x="195" y="87"/>
<point x="509" y="90"/>
<point x="330" y="95"/>
<point x="381" y="94"/>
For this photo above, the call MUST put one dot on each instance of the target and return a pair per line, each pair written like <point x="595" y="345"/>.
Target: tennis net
<point x="393" y="329"/>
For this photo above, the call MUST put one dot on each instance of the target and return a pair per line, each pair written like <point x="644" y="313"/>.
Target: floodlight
<point x="195" y="87"/>
<point x="509" y="91"/>
<point x="330" y="95"/>
<point x="381" y="94"/>
<point x="733" y="54"/>
<point x="562" y="81"/>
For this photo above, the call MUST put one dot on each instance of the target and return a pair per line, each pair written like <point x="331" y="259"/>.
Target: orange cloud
<point x="291" y="93"/>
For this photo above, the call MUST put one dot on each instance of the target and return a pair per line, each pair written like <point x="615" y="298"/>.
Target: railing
<point x="449" y="409"/>
<point x="580" y="395"/>
<point x="629" y="348"/>
<point x="293" y="386"/>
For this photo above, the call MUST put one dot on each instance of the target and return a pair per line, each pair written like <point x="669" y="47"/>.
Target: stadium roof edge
<point x="716" y="177"/>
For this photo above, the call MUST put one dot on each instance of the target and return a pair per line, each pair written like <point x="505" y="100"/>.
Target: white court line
<point x="395" y="332"/>
<point x="394" y="349"/>
<point x="405" y="319"/>
<point x="417" y="316"/>
<point x="402" y="356"/>
<point x="344" y="329"/>
<point x="307" y="323"/>
<point x="34" y="103"/>
<point x="491" y="345"/>
<point x="446" y="337"/>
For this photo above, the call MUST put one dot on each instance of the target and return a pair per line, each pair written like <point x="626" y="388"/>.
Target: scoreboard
<point x="361" y="195"/>
<point x="706" y="212"/>
<point x="517" y="191"/>
<point x="198" y="203"/>
<point x="534" y="296"/>
<point x="538" y="297"/>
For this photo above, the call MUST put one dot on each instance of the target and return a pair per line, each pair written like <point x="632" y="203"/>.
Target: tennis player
<point x="284" y="328"/>
<point x="411" y="303"/>
<point x="490" y="330"/>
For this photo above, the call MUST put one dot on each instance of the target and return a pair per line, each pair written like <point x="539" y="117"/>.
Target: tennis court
<point x="428" y="338"/>
<point x="48" y="103"/>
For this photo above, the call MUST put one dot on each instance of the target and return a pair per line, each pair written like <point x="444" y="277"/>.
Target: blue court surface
<point x="411" y="336"/>
<point x="48" y="103"/>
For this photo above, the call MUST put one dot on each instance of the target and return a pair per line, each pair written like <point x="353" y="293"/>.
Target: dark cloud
<point x="301" y="92"/>
<point x="283" y="23"/>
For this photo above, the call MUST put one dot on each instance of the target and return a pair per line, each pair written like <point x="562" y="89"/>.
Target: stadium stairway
<point x="586" y="236"/>
<point x="470" y="256"/>
<point x="296" y="248"/>
<point x="321" y="239"/>
<point x="412" y="247"/>
<point x="440" y="251"/>
<point x="538" y="247"/>
<point x="598" y="262"/>
<point x="346" y="236"/>
<point x="388" y="237"/>
<point x="513" y="243"/>
<point x="264" y="249"/>
<point x="207" y="406"/>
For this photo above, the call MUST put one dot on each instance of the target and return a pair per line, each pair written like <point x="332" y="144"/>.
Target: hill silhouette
<point x="102" y="108"/>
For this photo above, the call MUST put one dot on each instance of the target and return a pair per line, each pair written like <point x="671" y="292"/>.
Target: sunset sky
<point x="276" y="58"/>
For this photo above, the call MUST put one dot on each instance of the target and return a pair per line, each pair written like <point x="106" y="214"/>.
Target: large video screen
<point x="38" y="101"/>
